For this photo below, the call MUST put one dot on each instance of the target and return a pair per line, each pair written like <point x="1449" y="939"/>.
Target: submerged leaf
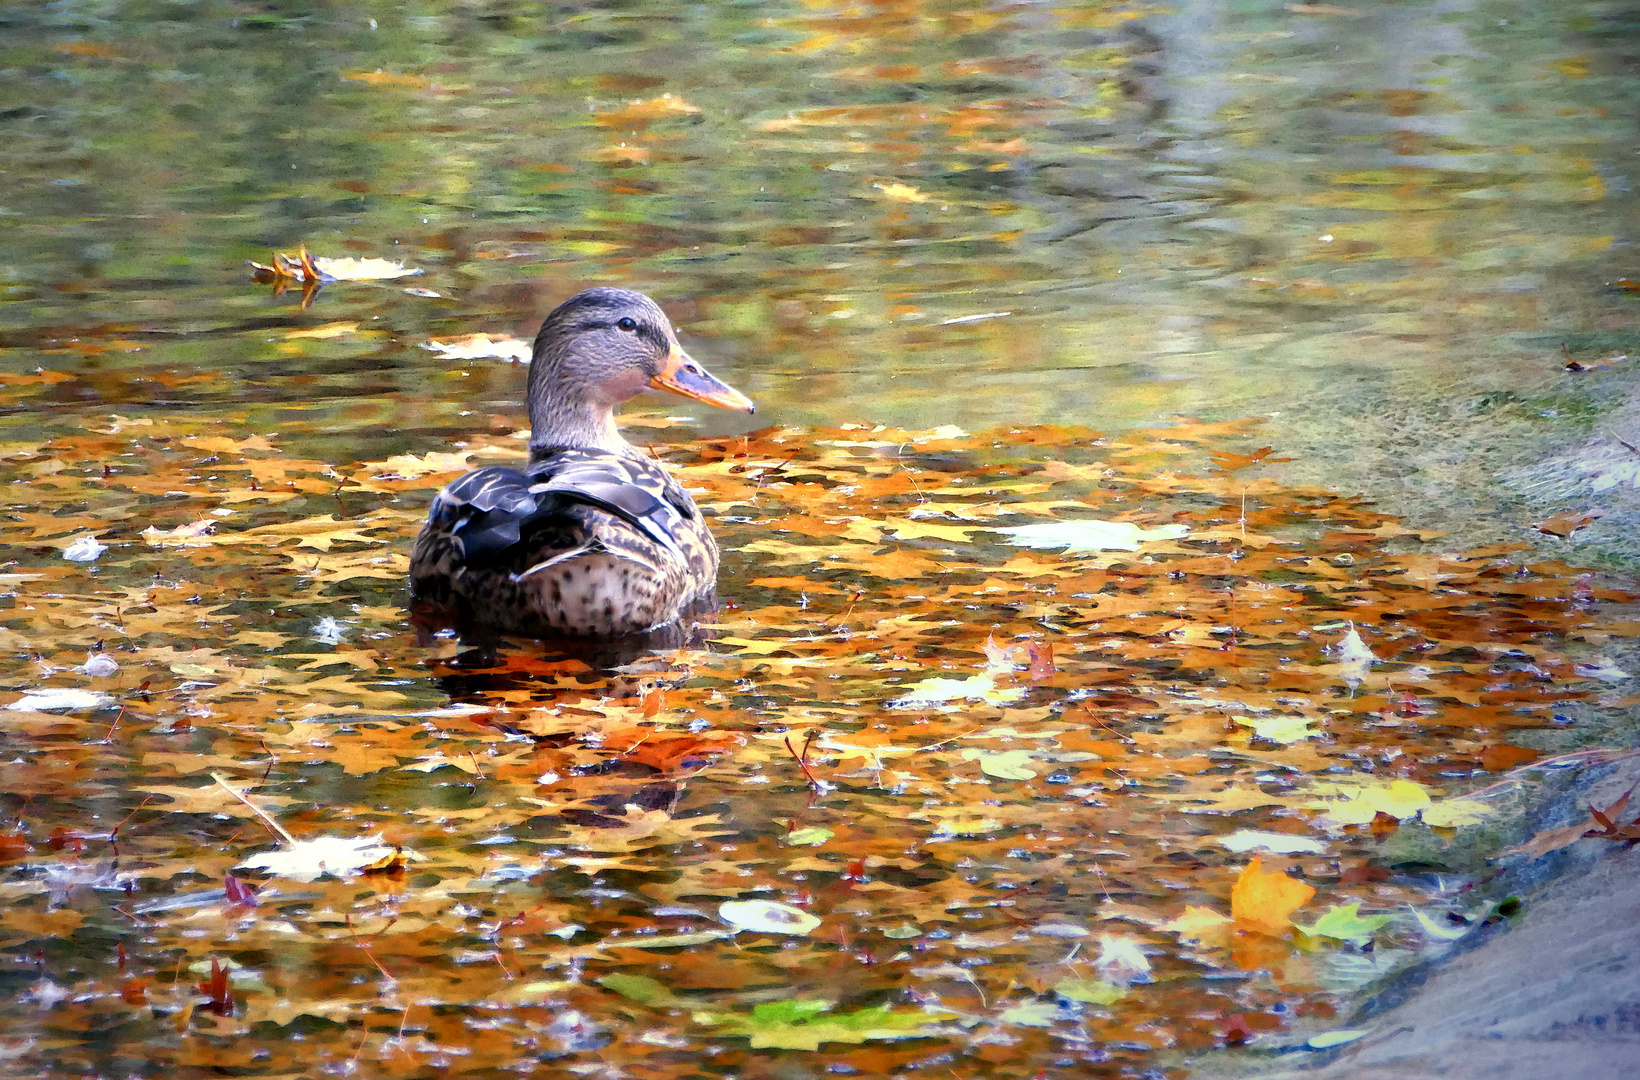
<point x="1344" y="922"/>
<point x="805" y="1025"/>
<point x="1092" y="991"/>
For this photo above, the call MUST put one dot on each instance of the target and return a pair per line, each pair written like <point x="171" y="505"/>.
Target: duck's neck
<point x="566" y="412"/>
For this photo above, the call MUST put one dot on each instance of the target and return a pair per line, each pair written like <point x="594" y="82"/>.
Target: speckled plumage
<point x="591" y="538"/>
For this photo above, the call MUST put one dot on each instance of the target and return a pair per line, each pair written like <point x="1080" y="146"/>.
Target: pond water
<point x="1398" y="234"/>
<point x="903" y="213"/>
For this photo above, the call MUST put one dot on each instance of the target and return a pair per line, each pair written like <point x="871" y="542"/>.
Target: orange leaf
<point x="1567" y="522"/>
<point x="1229" y="462"/>
<point x="1265" y="901"/>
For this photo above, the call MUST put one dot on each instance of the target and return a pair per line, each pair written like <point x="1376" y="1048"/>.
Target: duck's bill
<point x="684" y="377"/>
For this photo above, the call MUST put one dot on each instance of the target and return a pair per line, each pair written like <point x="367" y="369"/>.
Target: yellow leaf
<point x="912" y="530"/>
<point x="362" y="269"/>
<point x="1355" y="804"/>
<point x="385" y="78"/>
<point x="1201" y="924"/>
<point x="328" y="330"/>
<point x="650" y="109"/>
<point x="1265" y="901"/>
<point x="901" y="193"/>
<point x="408" y="466"/>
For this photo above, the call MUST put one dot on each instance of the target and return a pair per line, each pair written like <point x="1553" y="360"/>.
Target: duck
<point x="591" y="538"/>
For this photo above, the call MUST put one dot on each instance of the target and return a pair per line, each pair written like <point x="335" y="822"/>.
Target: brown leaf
<point x="1568" y="521"/>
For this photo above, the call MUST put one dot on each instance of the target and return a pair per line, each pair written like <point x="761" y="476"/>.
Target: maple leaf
<point x="1265" y="901"/>
<point x="1230" y="462"/>
<point x="1344" y="922"/>
<point x="1201" y="924"/>
<point x="1349" y="803"/>
<point x="409" y="466"/>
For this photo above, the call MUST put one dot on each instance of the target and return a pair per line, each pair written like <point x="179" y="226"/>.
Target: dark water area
<point x="1399" y="235"/>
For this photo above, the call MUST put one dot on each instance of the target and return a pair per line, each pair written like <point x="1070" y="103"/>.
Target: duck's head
<point x="596" y="350"/>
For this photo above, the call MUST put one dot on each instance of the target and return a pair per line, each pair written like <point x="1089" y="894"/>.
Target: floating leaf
<point x="655" y="108"/>
<point x="897" y="192"/>
<point x="1443" y="929"/>
<point x="1265" y="900"/>
<point x="813" y="836"/>
<point x="482" y="346"/>
<point x="1282" y="843"/>
<point x="1007" y="765"/>
<point x="1033" y="1013"/>
<point x="338" y="856"/>
<point x="84" y="549"/>
<point x="1356" y="803"/>
<point x="61" y="699"/>
<point x="930" y="693"/>
<point x="1328" y="1039"/>
<point x="1281" y="729"/>
<point x="767" y="916"/>
<point x="350" y="269"/>
<point x="1355" y="660"/>
<point x="1567" y="522"/>
<point x="1201" y="924"/>
<point x="1122" y="960"/>
<point x="640" y="988"/>
<point x="1080" y="537"/>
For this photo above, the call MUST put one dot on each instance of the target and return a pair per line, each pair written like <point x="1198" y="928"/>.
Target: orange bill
<point x="684" y="377"/>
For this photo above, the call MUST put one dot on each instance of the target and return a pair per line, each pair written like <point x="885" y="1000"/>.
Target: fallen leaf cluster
<point x="1005" y="749"/>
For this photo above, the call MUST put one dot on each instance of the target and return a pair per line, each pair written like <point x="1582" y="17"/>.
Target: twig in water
<point x="261" y="815"/>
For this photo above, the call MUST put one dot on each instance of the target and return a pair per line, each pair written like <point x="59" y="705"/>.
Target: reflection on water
<point x="1156" y="211"/>
<point x="1349" y="215"/>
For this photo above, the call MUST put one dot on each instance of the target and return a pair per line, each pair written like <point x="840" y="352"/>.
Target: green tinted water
<point x="895" y="212"/>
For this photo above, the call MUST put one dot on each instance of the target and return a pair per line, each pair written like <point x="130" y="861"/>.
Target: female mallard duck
<point x="591" y="538"/>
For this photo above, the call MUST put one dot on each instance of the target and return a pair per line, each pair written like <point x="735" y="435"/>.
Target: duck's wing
<point x="493" y="509"/>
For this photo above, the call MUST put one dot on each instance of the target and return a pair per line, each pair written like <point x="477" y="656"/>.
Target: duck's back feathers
<point x="584" y="542"/>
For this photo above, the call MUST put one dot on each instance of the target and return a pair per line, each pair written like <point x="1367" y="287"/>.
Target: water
<point x="1381" y="228"/>
<point x="1210" y="208"/>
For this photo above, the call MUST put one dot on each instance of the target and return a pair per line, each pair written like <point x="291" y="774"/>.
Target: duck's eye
<point x="627" y="324"/>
